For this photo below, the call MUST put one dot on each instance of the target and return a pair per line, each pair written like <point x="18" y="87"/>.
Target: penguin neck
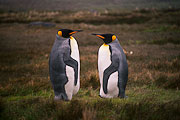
<point x="113" y="42"/>
<point x="61" y="38"/>
<point x="72" y="38"/>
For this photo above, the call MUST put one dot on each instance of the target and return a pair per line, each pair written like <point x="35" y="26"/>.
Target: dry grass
<point x="89" y="114"/>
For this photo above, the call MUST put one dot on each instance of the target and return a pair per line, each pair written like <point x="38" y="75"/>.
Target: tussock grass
<point x="95" y="18"/>
<point x="168" y="81"/>
<point x="171" y="65"/>
<point x="137" y="107"/>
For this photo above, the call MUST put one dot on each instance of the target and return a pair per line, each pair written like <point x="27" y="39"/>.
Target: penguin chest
<point x="104" y="61"/>
<point x="74" y="49"/>
<point x="69" y="86"/>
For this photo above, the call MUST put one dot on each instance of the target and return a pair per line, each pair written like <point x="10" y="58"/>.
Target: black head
<point x="66" y="33"/>
<point x="107" y="38"/>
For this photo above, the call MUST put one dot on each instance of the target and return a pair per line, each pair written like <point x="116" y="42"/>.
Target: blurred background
<point x="71" y="5"/>
<point x="149" y="31"/>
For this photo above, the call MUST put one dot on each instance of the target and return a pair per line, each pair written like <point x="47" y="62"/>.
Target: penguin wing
<point x="111" y="69"/>
<point x="68" y="60"/>
<point x="123" y="76"/>
<point x="57" y="73"/>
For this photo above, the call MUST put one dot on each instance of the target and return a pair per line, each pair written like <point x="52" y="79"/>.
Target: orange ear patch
<point x="113" y="37"/>
<point x="100" y="36"/>
<point x="60" y="33"/>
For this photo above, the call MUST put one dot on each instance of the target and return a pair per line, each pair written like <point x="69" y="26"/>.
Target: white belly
<point x="104" y="62"/>
<point x="69" y="87"/>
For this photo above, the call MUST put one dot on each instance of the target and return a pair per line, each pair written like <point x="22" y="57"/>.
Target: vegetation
<point x="154" y="78"/>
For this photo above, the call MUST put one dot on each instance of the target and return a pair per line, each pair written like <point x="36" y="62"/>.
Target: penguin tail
<point x="61" y="97"/>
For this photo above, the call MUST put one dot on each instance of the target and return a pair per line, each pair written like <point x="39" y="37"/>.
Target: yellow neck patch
<point x="105" y="44"/>
<point x="60" y="33"/>
<point x="113" y="37"/>
<point x="71" y="38"/>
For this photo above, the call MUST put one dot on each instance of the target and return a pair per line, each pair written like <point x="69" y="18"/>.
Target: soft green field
<point x="154" y="67"/>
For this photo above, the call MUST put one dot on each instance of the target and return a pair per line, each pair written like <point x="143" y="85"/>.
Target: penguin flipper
<point x="123" y="77"/>
<point x="68" y="60"/>
<point x="108" y="71"/>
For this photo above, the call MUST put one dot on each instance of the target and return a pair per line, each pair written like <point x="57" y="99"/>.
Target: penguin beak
<point x="75" y="31"/>
<point x="78" y="30"/>
<point x="99" y="35"/>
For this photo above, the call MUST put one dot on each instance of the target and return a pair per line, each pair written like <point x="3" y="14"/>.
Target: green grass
<point x="151" y="103"/>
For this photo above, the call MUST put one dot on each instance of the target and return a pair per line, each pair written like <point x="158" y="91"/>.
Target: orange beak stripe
<point x="72" y="32"/>
<point x="100" y="36"/>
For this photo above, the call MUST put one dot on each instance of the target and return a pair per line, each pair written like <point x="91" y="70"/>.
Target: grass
<point x="150" y="104"/>
<point x="99" y="18"/>
<point x="153" y="85"/>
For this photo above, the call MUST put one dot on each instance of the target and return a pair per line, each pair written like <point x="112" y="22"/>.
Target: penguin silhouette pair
<point x="64" y="66"/>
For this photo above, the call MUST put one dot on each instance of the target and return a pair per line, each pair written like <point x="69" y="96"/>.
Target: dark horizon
<point x="54" y="5"/>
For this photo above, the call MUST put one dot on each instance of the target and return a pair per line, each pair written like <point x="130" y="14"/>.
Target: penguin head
<point x="107" y="38"/>
<point x="66" y="33"/>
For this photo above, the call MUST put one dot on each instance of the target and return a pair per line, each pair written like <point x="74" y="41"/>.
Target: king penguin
<point x="64" y="65"/>
<point x="112" y="67"/>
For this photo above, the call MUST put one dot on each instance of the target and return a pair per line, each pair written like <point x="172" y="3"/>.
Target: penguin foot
<point x="61" y="97"/>
<point x="100" y="96"/>
<point x="124" y="97"/>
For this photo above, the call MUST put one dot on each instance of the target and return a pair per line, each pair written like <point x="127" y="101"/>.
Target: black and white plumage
<point x="64" y="65"/>
<point x="112" y="67"/>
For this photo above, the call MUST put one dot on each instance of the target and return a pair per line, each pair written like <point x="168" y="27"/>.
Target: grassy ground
<point x="154" y="78"/>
